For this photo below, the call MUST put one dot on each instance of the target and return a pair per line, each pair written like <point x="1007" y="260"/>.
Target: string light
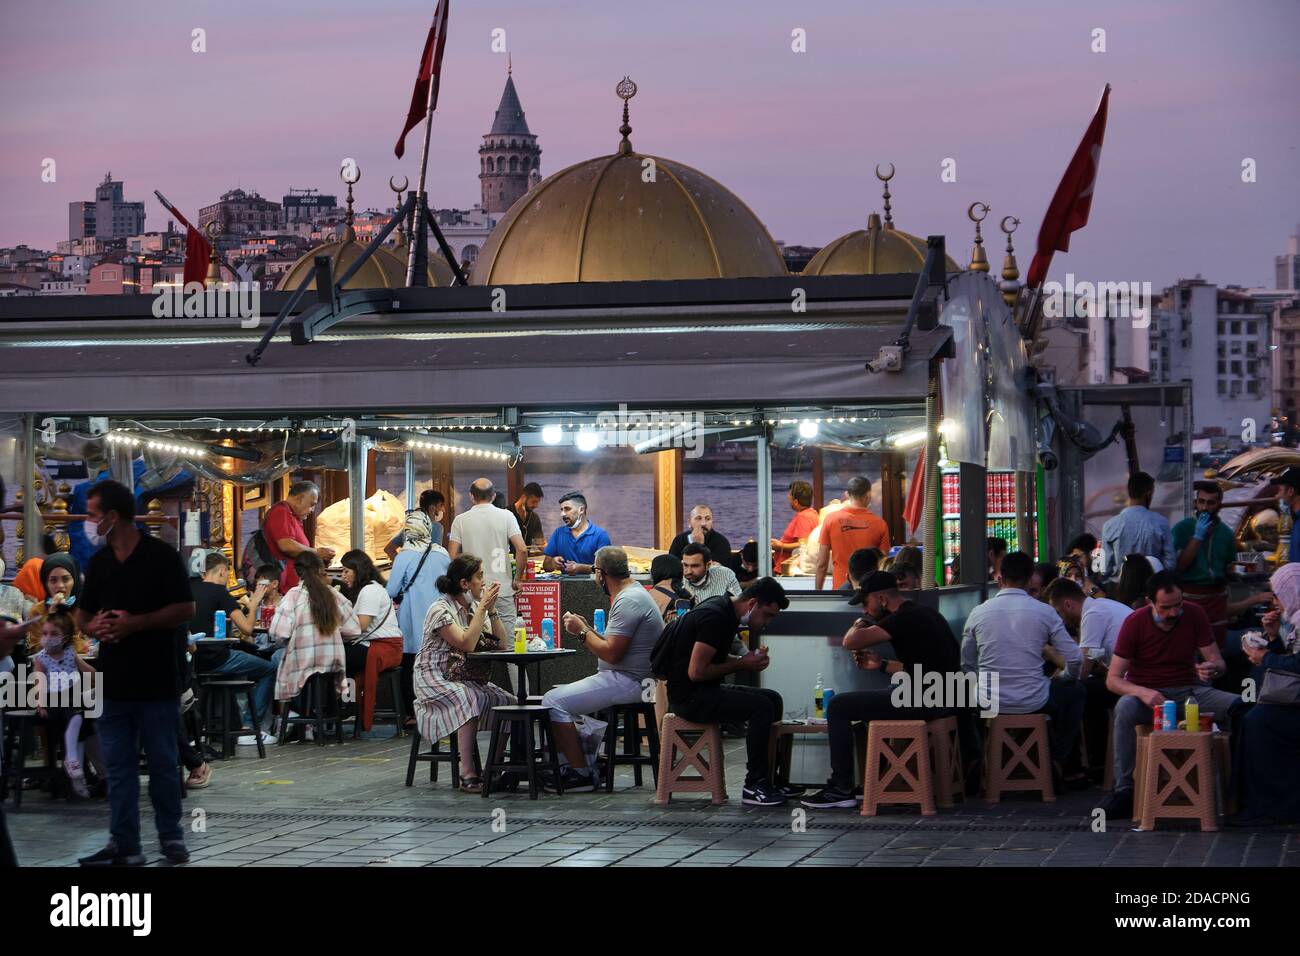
<point x="458" y="449"/>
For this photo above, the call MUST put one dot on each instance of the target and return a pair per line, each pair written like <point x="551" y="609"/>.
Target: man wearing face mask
<point x="705" y="578"/>
<point x="698" y="660"/>
<point x="136" y="601"/>
<point x="572" y="547"/>
<point x="1154" y="661"/>
<point x="623" y="661"/>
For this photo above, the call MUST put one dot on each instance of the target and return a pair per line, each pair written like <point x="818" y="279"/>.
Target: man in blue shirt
<point x="572" y="547"/>
<point x="1289" y="491"/>
<point x="1137" y="529"/>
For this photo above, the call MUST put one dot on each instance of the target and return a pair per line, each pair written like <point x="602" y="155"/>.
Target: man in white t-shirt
<point x="490" y="533"/>
<point x="622" y="662"/>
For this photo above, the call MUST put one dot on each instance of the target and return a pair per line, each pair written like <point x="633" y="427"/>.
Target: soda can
<point x="1171" y="715"/>
<point x="827" y="694"/>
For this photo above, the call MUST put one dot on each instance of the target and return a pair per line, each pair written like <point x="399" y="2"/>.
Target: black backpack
<point x="661" y="654"/>
<point x="256" y="554"/>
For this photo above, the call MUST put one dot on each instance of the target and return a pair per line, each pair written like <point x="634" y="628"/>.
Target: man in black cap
<point x="924" y="644"/>
<point x="1288" y="484"/>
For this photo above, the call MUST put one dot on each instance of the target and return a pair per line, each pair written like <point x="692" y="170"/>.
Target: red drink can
<point x="264" y="615"/>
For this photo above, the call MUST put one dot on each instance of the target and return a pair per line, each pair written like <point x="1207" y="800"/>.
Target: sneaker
<point x="308" y="733"/>
<point x="111" y="856"/>
<point x="175" y="852"/>
<point x="248" y="740"/>
<point x="830" y="798"/>
<point x="575" y="781"/>
<point x="1118" y="804"/>
<point x="791" y="791"/>
<point x="762" y="794"/>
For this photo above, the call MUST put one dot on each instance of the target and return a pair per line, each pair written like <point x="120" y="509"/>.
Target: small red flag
<point x="914" y="509"/>
<point x="1073" y="199"/>
<point x="422" y="99"/>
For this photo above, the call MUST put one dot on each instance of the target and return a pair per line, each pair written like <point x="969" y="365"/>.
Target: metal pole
<point x="415" y="270"/>
<point x="32" y="532"/>
<point x="930" y="556"/>
<point x="410" y="480"/>
<point x="357" y="492"/>
<point x="764" y="473"/>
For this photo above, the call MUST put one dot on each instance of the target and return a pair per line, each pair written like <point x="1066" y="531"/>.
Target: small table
<point x="523" y="660"/>
<point x="781" y="748"/>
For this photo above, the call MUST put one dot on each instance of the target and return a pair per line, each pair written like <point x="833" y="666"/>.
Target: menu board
<point x="535" y="600"/>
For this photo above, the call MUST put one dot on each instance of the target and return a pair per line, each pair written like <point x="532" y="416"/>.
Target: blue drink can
<point x="219" y="625"/>
<point x="598" y="621"/>
<point x="1171" y="715"/>
<point x="827" y="694"/>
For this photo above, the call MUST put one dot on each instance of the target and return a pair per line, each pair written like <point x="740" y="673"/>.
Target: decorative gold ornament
<point x="979" y="262"/>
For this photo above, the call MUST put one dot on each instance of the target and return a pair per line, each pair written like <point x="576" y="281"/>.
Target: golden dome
<point x="380" y="271"/>
<point x="439" y="272"/>
<point x="601" y="221"/>
<point x="876" y="250"/>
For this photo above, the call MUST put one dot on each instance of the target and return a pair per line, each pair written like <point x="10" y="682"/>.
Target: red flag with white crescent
<point x="425" y="95"/>
<point x="1072" y="202"/>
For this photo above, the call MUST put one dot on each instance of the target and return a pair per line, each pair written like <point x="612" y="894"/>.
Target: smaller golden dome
<point x="880" y="249"/>
<point x="876" y="250"/>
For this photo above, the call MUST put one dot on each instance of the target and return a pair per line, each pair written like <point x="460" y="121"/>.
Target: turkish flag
<point x="1073" y="200"/>
<point x="422" y="98"/>
<point x="197" y="253"/>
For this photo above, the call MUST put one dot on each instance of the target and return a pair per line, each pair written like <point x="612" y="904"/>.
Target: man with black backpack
<point x="693" y="655"/>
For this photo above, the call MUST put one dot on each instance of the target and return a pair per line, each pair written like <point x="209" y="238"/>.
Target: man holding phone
<point x="698" y="660"/>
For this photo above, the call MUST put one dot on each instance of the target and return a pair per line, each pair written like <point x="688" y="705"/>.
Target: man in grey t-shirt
<point x="623" y="661"/>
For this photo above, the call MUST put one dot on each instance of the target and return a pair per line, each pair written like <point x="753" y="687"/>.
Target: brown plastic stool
<point x="1017" y="757"/>
<point x="682" y="746"/>
<point x="904" y="748"/>
<point x="945" y="760"/>
<point x="1179" y="778"/>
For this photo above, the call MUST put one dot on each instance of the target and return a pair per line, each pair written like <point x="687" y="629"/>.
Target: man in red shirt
<point x="1154" y="661"/>
<point x="848" y="529"/>
<point x="801" y="525"/>
<point x="284" y="533"/>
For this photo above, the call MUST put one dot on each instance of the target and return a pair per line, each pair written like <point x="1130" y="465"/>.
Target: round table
<point x="523" y="660"/>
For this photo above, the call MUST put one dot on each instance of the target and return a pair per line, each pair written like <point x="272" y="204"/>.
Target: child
<point x="59" y="662"/>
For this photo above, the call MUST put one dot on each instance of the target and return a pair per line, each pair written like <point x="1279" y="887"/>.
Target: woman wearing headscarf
<point x="60" y="583"/>
<point x="1266" y="772"/>
<point x="412" y="583"/>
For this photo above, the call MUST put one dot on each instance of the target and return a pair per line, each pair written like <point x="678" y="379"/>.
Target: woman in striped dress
<point x="455" y="622"/>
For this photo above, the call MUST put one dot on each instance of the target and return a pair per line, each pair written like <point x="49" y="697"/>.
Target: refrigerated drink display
<point x="1000" y="499"/>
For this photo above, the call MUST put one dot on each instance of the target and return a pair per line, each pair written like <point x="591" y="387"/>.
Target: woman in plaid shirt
<point x="310" y="622"/>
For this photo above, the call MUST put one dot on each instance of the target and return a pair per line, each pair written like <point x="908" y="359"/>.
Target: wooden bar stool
<point x="945" y="761"/>
<point x="530" y="757"/>
<point x="686" y="746"/>
<point x="1017" y="757"/>
<point x="434" y="756"/>
<point x="631" y="715"/>
<point x="1179" y="778"/>
<point x="897" y="766"/>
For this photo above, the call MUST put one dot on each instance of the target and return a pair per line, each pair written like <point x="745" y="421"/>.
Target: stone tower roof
<point x="510" y="120"/>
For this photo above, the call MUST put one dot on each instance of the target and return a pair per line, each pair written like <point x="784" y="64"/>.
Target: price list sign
<point x="535" y="600"/>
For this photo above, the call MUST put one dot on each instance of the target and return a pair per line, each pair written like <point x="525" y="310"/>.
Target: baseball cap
<point x="873" y="582"/>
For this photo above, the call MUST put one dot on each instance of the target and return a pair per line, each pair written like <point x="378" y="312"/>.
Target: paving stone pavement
<point x="347" y="805"/>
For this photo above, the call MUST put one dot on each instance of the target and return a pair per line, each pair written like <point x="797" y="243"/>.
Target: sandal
<point x="471" y="784"/>
<point x="197" y="781"/>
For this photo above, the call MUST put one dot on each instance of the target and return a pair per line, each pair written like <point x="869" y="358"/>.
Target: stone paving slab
<point x="347" y="805"/>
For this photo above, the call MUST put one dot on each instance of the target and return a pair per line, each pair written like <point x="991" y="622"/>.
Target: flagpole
<point x="417" y="263"/>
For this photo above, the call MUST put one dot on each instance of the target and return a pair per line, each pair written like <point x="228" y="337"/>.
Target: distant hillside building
<point x="510" y="161"/>
<point x="241" y="214"/>
<point x="109" y="216"/>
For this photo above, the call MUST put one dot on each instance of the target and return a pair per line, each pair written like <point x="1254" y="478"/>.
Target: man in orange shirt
<point x="801" y="525"/>
<point x="846" y="530"/>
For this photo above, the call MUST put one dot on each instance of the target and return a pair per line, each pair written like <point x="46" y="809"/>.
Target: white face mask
<point x="93" y="534"/>
<point x="51" y="644"/>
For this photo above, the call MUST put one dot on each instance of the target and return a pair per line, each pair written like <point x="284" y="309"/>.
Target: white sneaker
<point x="250" y="741"/>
